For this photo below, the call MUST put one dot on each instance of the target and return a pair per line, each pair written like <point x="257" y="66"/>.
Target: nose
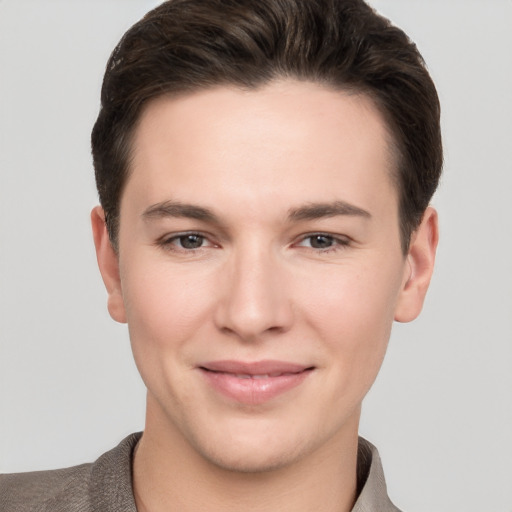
<point x="254" y="301"/>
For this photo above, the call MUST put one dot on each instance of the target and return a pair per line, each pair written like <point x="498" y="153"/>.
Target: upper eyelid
<point x="336" y="237"/>
<point x="179" y="234"/>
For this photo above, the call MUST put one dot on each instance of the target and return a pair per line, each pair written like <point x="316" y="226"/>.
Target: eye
<point x="185" y="242"/>
<point x="322" y="242"/>
<point x="190" y="241"/>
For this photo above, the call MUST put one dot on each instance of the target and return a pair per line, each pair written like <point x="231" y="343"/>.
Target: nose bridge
<point x="254" y="300"/>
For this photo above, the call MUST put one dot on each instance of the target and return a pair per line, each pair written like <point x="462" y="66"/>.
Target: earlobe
<point x="419" y="267"/>
<point x="108" y="262"/>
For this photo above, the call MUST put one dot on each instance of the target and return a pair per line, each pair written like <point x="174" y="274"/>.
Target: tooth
<point x="264" y="376"/>
<point x="242" y="376"/>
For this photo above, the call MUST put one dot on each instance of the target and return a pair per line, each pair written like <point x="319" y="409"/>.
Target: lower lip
<point x="253" y="391"/>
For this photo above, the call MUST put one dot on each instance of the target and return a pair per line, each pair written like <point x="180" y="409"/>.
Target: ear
<point x="419" y="267"/>
<point x="108" y="262"/>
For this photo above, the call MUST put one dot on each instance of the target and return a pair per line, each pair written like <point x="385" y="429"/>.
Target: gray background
<point x="441" y="410"/>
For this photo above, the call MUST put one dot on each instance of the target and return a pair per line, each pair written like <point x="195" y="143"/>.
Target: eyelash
<point x="168" y="243"/>
<point x="337" y="243"/>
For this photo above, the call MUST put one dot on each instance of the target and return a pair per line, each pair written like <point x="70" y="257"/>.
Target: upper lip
<point x="267" y="367"/>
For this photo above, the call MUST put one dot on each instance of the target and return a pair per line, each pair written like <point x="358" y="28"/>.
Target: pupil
<point x="191" y="241"/>
<point x="321" y="242"/>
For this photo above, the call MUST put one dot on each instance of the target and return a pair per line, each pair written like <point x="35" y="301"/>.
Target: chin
<point x="260" y="449"/>
<point x="254" y="459"/>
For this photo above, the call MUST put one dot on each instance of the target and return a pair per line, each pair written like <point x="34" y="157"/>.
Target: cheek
<point x="354" y="316"/>
<point x="164" y="309"/>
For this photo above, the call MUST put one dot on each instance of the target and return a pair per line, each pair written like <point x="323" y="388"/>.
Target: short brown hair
<point x="188" y="45"/>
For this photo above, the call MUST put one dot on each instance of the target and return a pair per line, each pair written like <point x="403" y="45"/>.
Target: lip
<point x="254" y="383"/>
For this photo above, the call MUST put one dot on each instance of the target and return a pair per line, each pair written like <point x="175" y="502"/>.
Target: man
<point x="264" y="171"/>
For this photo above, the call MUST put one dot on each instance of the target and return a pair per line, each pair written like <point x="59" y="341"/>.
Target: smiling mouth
<point x="254" y="383"/>
<point x="256" y="376"/>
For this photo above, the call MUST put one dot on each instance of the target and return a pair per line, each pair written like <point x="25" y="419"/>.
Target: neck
<point x="170" y="475"/>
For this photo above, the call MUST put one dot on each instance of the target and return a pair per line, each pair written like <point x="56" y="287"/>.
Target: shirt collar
<point x="371" y="485"/>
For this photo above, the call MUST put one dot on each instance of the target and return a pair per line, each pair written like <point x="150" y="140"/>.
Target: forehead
<point x="294" y="135"/>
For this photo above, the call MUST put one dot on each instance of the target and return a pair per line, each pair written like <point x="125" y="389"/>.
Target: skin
<point x="259" y="286"/>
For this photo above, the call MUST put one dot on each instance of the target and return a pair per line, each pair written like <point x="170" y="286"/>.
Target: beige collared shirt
<point x="106" y="485"/>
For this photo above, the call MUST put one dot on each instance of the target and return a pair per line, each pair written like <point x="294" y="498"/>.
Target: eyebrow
<point x="177" y="209"/>
<point x="319" y="210"/>
<point x="310" y="211"/>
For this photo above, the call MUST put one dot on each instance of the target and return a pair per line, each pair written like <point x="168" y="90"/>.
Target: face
<point x="260" y="268"/>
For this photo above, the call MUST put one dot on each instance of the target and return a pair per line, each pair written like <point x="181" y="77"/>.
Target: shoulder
<point x="45" y="490"/>
<point x="104" y="485"/>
